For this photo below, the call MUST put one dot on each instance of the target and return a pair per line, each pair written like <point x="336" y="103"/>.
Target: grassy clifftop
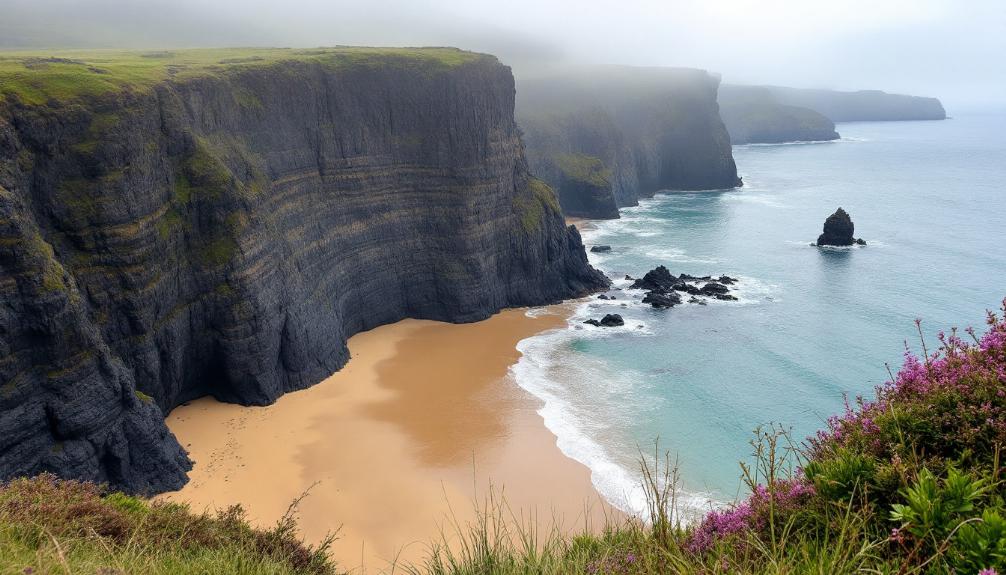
<point x="40" y="77"/>
<point x="48" y="525"/>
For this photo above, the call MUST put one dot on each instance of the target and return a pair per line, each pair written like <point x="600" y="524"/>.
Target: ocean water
<point x="812" y="325"/>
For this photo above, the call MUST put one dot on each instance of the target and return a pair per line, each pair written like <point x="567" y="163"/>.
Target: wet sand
<point x="396" y="447"/>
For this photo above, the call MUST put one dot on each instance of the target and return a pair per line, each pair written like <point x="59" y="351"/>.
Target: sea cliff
<point x="174" y="225"/>
<point x="753" y="115"/>
<point x="861" y="106"/>
<point x="604" y="137"/>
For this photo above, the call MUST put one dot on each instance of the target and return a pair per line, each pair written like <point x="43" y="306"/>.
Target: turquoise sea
<point x="813" y="325"/>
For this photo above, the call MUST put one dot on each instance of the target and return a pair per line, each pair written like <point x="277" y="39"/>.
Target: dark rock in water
<point x="602" y="296"/>
<point x="727" y="280"/>
<point x="629" y="278"/>
<point x="696" y="300"/>
<point x="688" y="288"/>
<point x="860" y="242"/>
<point x="600" y="249"/>
<point x="714" y="288"/>
<point x="657" y="279"/>
<point x="838" y="230"/>
<point x="609" y="320"/>
<point x="612" y="320"/>
<point x="662" y="300"/>
<point x="725" y="297"/>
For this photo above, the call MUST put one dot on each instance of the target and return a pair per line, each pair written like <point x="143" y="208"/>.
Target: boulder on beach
<point x="838" y="231"/>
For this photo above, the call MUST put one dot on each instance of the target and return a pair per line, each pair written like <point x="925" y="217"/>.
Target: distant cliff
<point x="753" y="115"/>
<point x="604" y="137"/>
<point x="220" y="222"/>
<point x="865" y="105"/>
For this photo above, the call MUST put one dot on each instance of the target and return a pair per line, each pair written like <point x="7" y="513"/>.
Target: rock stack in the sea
<point x="839" y="230"/>
<point x="662" y="287"/>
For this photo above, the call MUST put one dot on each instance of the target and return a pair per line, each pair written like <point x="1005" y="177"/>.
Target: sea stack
<point x="838" y="231"/>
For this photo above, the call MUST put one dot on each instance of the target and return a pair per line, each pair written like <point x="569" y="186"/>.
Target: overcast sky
<point x="952" y="49"/>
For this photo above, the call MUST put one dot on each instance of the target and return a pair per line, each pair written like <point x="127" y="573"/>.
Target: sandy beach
<point x="394" y="448"/>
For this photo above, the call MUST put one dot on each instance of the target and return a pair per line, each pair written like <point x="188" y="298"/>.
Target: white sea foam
<point x="676" y="255"/>
<point x="755" y="198"/>
<point x="545" y="370"/>
<point x="749" y="290"/>
<point x="589" y="406"/>
<point x="794" y="143"/>
<point x="534" y="312"/>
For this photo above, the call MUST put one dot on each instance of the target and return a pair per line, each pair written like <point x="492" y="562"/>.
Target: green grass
<point x="49" y="525"/>
<point x="531" y="206"/>
<point x="36" y="78"/>
<point x="582" y="168"/>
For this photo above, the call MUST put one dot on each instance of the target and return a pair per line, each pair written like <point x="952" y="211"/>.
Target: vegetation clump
<point x="50" y="525"/>
<point x="582" y="168"/>
<point x="532" y="206"/>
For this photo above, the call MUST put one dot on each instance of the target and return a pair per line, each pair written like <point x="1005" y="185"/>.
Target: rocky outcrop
<point x="224" y="232"/>
<point x="661" y="287"/>
<point x="753" y="115"/>
<point x="839" y="230"/>
<point x="861" y="106"/>
<point x="606" y="136"/>
<point x="609" y="320"/>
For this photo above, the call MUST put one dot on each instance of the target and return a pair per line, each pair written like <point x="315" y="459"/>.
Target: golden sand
<point x="396" y="446"/>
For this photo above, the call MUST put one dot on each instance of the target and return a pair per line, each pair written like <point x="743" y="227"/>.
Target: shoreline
<point x="398" y="447"/>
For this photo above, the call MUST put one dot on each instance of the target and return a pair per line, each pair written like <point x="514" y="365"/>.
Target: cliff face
<point x="864" y="105"/>
<point x="753" y="115"/>
<point x="645" y="130"/>
<point x="224" y="233"/>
